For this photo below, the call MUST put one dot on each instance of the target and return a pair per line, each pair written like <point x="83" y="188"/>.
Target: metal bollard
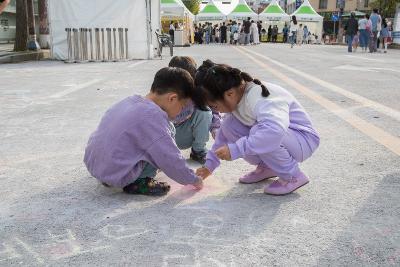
<point x="91" y="46"/>
<point x="97" y="42"/>
<point x="103" y="45"/>
<point x="121" y="43"/>
<point x="126" y="44"/>
<point x="115" y="58"/>
<point x="69" y="44"/>
<point x="76" y="44"/>
<point x="83" y="46"/>
<point x="109" y="44"/>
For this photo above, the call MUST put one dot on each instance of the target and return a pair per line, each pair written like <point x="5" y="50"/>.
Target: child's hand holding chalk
<point x="203" y="172"/>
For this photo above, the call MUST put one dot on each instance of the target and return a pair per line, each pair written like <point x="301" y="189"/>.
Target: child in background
<point x="266" y="127"/>
<point x="194" y="124"/>
<point x="356" y="41"/>
<point x="135" y="138"/>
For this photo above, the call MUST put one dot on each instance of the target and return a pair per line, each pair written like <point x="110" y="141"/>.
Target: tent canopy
<point x="210" y="12"/>
<point x="274" y="12"/>
<point x="133" y="15"/>
<point x="307" y="13"/>
<point x="174" y="8"/>
<point x="242" y="11"/>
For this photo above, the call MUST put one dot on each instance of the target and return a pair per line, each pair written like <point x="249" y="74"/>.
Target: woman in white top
<point x="293" y="30"/>
<point x="254" y="32"/>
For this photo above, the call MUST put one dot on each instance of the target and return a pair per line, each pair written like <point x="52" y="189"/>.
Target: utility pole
<point x="32" y="43"/>
<point x="44" y="32"/>
<point x="21" y="33"/>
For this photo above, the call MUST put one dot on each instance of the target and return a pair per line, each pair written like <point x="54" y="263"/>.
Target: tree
<point x="192" y="5"/>
<point x="387" y="7"/>
<point x="21" y="31"/>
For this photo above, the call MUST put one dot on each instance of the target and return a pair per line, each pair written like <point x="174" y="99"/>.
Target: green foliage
<point x="387" y="7"/>
<point x="192" y="5"/>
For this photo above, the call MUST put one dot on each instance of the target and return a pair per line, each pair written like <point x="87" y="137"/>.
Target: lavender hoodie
<point x="132" y="132"/>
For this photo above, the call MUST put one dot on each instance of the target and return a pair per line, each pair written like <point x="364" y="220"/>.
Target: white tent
<point x="242" y="11"/>
<point x="141" y="18"/>
<point x="274" y="12"/>
<point x="210" y="12"/>
<point x="306" y="15"/>
<point x="174" y="8"/>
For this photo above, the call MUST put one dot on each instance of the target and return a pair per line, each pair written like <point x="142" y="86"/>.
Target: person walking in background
<point x="356" y="41"/>
<point x="305" y="34"/>
<point x="246" y="29"/>
<point x="351" y="29"/>
<point x="259" y="27"/>
<point x="299" y="36"/>
<point x="285" y="33"/>
<point x="223" y="31"/>
<point x="364" y="35"/>
<point x="171" y="31"/>
<point x="254" y="33"/>
<point x="376" y="22"/>
<point x="274" y="37"/>
<point x="384" y="35"/>
<point x="293" y="30"/>
<point x="269" y="33"/>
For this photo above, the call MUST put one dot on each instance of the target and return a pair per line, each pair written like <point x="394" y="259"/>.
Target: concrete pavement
<point x="53" y="213"/>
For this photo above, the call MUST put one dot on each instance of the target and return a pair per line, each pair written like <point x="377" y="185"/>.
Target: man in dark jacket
<point x="351" y="30"/>
<point x="246" y="26"/>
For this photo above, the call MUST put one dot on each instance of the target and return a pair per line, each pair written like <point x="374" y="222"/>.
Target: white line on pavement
<point x="75" y="88"/>
<point x="365" y="58"/>
<point x="386" y="139"/>
<point x="136" y="63"/>
<point x="395" y="114"/>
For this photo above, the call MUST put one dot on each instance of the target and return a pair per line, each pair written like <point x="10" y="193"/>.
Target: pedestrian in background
<point x="171" y="31"/>
<point x="376" y="22"/>
<point x="364" y="34"/>
<point x="293" y="30"/>
<point x="384" y="35"/>
<point x="299" y="37"/>
<point x="351" y="29"/>
<point x="254" y="33"/>
<point x="246" y="30"/>
<point x="285" y="33"/>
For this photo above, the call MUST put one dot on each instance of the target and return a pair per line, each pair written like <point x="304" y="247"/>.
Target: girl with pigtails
<point x="264" y="124"/>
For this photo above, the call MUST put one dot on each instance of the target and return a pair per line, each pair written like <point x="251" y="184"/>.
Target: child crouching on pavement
<point x="135" y="138"/>
<point x="193" y="124"/>
<point x="265" y="125"/>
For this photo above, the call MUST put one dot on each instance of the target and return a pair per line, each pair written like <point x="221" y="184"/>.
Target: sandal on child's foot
<point x="147" y="186"/>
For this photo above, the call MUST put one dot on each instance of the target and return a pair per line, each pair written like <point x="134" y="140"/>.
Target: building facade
<point x="327" y="7"/>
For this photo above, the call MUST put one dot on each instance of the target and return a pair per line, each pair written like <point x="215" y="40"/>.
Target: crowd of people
<point x="369" y="32"/>
<point x="252" y="32"/>
<point x="232" y="32"/>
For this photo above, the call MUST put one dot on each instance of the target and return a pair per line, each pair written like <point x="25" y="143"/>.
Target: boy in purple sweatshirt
<point x="135" y="138"/>
<point x="194" y="125"/>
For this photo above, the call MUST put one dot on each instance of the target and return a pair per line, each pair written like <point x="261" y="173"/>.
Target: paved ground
<point x="53" y="213"/>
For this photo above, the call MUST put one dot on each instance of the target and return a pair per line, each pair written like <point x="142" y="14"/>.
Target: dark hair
<point x="183" y="62"/>
<point x="179" y="81"/>
<point x="294" y="19"/>
<point x="367" y="16"/>
<point x="375" y="10"/>
<point x="384" y="23"/>
<point x="220" y="78"/>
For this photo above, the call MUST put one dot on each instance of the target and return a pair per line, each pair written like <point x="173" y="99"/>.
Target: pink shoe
<point x="282" y="187"/>
<point x="259" y="174"/>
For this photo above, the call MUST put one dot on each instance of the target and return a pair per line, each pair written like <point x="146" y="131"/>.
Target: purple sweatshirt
<point x="269" y="119"/>
<point x="132" y="132"/>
